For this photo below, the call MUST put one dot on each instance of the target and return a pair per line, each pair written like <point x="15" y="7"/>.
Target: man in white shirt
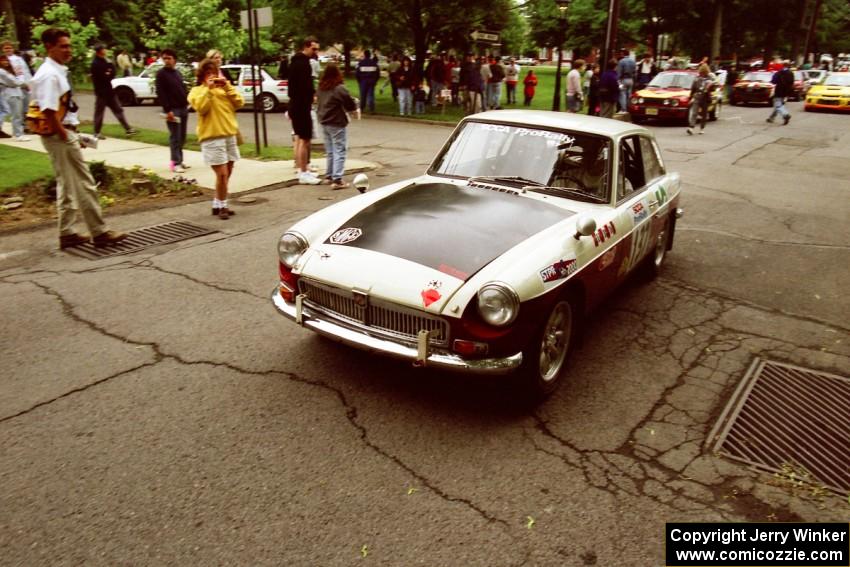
<point x="74" y="183"/>
<point x="575" y="94"/>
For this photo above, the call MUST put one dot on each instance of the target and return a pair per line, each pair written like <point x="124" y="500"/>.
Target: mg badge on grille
<point x="361" y="299"/>
<point x="361" y="302"/>
<point x="345" y="235"/>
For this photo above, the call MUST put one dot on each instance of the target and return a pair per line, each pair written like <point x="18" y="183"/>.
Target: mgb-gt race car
<point x="489" y="261"/>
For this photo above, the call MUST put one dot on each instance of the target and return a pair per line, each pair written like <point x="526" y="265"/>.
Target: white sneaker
<point x="179" y="169"/>
<point x="22" y="139"/>
<point x="308" y="178"/>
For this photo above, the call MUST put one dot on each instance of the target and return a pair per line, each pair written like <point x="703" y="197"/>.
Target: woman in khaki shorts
<point x="216" y="101"/>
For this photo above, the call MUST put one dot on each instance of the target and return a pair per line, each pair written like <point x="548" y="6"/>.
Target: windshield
<point x="672" y="80"/>
<point x="763" y="77"/>
<point x="536" y="156"/>
<point x="837" y="81"/>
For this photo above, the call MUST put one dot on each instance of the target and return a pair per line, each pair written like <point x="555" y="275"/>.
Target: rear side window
<point x="631" y="174"/>
<point x="652" y="167"/>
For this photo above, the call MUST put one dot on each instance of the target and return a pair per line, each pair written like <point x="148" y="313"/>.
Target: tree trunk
<point x="420" y="37"/>
<point x="717" y="32"/>
<point x="346" y="47"/>
<point x="6" y="10"/>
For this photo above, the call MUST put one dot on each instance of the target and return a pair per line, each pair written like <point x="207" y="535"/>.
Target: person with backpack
<point x="784" y="81"/>
<point x="700" y="97"/>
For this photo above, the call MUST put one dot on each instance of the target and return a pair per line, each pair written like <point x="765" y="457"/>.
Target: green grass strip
<point x="21" y="167"/>
<point x="160" y="138"/>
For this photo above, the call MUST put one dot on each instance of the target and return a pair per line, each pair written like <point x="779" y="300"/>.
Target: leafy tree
<point x="62" y="15"/>
<point x="6" y="29"/>
<point x="192" y="27"/>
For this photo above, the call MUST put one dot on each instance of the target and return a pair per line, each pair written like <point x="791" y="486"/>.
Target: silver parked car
<point x="272" y="94"/>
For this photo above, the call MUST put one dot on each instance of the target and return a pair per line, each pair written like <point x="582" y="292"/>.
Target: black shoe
<point x="130" y="131"/>
<point x="109" y="238"/>
<point x="71" y="240"/>
<point x="787" y="119"/>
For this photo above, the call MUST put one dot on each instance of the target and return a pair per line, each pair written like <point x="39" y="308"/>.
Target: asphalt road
<point x="154" y="409"/>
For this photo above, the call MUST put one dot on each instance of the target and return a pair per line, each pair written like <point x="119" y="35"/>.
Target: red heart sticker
<point x="429" y="296"/>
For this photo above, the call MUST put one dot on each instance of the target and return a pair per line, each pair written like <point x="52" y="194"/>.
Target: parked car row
<point x="271" y="94"/>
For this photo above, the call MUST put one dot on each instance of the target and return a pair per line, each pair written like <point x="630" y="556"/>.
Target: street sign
<point x="485" y="36"/>
<point x="263" y="17"/>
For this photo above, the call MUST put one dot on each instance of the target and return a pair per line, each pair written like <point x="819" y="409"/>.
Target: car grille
<point x="832" y="101"/>
<point x="379" y="317"/>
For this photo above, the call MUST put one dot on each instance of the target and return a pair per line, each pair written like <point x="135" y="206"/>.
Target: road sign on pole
<point x="485" y="36"/>
<point x="262" y="18"/>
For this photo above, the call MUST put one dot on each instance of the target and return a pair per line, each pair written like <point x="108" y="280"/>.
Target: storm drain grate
<point x="143" y="238"/>
<point x="784" y="417"/>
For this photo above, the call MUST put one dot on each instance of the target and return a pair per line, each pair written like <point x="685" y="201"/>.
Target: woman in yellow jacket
<point x="216" y="101"/>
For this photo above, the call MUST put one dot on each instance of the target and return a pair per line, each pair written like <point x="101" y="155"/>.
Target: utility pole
<point x="717" y="32"/>
<point x="611" y="32"/>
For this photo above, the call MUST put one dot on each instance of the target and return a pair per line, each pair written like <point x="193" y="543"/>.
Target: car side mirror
<point x="361" y="182"/>
<point x="585" y="226"/>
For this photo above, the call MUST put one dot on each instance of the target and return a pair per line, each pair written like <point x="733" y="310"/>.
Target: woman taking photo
<point x="216" y="101"/>
<point x="334" y="105"/>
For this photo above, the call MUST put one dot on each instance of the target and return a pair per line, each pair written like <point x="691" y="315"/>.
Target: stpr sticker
<point x="559" y="270"/>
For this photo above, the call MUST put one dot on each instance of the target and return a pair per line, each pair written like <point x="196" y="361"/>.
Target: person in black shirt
<point x="171" y="93"/>
<point x="102" y="73"/>
<point x="301" y="94"/>
<point x="784" y="81"/>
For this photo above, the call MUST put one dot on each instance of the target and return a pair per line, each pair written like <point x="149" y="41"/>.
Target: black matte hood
<point x="452" y="228"/>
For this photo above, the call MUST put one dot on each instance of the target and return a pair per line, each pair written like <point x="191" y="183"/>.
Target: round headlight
<point x="640" y="100"/>
<point x="498" y="304"/>
<point x="666" y="102"/>
<point x="674" y="101"/>
<point x="290" y="246"/>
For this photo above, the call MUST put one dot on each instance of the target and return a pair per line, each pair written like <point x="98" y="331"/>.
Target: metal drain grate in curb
<point x="785" y="417"/>
<point x="156" y="235"/>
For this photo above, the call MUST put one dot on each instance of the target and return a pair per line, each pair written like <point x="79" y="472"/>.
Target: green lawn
<point x="384" y="103"/>
<point x="22" y="166"/>
<point x="159" y="137"/>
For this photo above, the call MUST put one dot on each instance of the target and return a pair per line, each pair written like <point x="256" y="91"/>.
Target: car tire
<point x="126" y="96"/>
<point x="655" y="259"/>
<point x="545" y="358"/>
<point x="267" y="102"/>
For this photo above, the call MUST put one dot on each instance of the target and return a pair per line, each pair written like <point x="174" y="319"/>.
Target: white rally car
<point x="488" y="262"/>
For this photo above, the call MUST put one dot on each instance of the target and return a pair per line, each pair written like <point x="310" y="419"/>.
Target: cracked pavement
<point x="154" y="409"/>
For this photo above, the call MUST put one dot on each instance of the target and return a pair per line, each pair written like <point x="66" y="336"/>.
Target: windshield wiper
<point x="516" y="178"/>
<point x="550" y="189"/>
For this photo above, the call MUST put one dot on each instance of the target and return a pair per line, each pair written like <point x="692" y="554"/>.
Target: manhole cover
<point x="143" y="238"/>
<point x="784" y="417"/>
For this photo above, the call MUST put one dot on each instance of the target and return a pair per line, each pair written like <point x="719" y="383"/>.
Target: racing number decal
<point x="640" y="244"/>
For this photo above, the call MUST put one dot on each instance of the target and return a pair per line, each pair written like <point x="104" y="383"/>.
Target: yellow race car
<point x="831" y="93"/>
<point x="668" y="96"/>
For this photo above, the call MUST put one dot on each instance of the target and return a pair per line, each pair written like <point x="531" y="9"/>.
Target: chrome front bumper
<point x="356" y="338"/>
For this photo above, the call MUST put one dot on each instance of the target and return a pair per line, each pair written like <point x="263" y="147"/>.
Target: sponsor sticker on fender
<point x="345" y="235"/>
<point x="559" y="270"/>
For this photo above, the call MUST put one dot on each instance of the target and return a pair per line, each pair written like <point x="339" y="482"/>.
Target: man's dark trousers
<point x="177" y="134"/>
<point x="101" y="103"/>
